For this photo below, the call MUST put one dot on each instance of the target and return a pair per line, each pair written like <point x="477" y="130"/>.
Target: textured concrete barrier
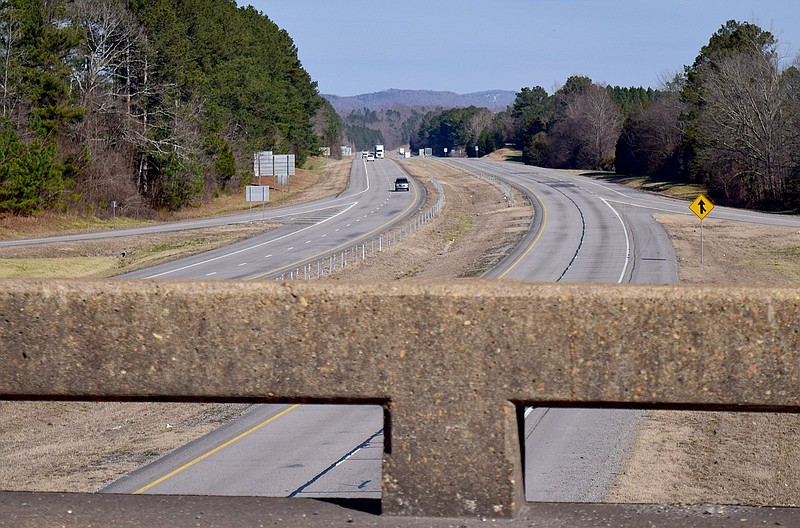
<point x="451" y="362"/>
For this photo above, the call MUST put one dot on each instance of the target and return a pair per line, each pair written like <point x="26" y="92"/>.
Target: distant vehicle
<point x="401" y="184"/>
<point x="379" y="151"/>
<point x="370" y="157"/>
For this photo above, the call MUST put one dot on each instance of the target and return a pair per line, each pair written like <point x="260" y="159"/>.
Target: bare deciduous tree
<point x="595" y="122"/>
<point x="748" y="120"/>
<point x="9" y="54"/>
<point x="650" y="139"/>
<point x="105" y="66"/>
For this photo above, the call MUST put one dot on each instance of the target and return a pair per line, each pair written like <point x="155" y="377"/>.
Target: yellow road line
<point x="535" y="240"/>
<point x="218" y="448"/>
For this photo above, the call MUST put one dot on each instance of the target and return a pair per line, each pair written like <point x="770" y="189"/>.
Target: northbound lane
<point x="587" y="231"/>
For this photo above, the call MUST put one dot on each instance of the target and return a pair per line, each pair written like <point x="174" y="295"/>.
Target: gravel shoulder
<point x="688" y="457"/>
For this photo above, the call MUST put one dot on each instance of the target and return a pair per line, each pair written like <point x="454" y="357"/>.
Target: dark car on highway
<point x="401" y="184"/>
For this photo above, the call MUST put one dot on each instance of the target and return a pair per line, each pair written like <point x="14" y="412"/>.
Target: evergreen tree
<point x="30" y="179"/>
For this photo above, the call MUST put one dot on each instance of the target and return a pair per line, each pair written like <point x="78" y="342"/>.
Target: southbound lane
<point x="298" y="450"/>
<point x="309" y="233"/>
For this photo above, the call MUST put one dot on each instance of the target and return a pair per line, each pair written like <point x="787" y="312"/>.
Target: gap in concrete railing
<point x="334" y="452"/>
<point x="330" y="452"/>
<point x="656" y="456"/>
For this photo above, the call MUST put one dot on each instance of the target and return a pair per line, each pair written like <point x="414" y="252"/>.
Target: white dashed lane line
<point x="210" y="274"/>
<point x="242" y="264"/>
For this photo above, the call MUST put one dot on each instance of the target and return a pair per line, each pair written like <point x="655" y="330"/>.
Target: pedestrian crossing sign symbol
<point x="701" y="206"/>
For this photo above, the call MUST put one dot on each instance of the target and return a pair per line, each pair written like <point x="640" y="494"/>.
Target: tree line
<point x="730" y="120"/>
<point x="155" y="104"/>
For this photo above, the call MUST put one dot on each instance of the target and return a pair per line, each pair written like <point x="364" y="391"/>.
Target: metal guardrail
<point x="363" y="250"/>
<point x="453" y="363"/>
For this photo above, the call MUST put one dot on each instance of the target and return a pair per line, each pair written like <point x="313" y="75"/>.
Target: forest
<point x="159" y="104"/>
<point x="730" y="120"/>
<point x="154" y="104"/>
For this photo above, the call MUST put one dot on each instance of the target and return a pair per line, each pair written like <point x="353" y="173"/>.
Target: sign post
<point x="701" y="206"/>
<point x="257" y="193"/>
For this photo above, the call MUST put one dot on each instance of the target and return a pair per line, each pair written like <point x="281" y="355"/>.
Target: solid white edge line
<point x="251" y="247"/>
<point x="627" y="241"/>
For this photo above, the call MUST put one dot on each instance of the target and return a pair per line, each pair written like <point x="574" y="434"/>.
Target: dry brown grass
<point x="678" y="457"/>
<point x="720" y="457"/>
<point x="322" y="177"/>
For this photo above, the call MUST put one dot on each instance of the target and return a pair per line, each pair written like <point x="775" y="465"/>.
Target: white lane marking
<point x="652" y="207"/>
<point x="290" y="248"/>
<point x="348" y="225"/>
<point x="268" y="256"/>
<point x="308" y="241"/>
<point x="752" y="217"/>
<point x="226" y="255"/>
<point x="210" y="274"/>
<point x="627" y="242"/>
<point x="604" y="187"/>
<point x="528" y="411"/>
<point x="323" y="236"/>
<point x="242" y="264"/>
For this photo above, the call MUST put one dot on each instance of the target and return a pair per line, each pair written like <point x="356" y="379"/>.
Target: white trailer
<point x="378" y="151"/>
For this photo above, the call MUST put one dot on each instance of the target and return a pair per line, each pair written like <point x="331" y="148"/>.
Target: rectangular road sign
<point x="701" y="206"/>
<point x="257" y="193"/>
<point x="262" y="163"/>
<point x="284" y="164"/>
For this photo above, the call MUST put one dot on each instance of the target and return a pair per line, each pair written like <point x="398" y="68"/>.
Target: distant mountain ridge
<point x="494" y="100"/>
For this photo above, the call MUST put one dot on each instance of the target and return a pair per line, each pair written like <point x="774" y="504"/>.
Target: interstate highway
<point x="311" y="231"/>
<point x="587" y="230"/>
<point x="287" y="450"/>
<point x="584" y="231"/>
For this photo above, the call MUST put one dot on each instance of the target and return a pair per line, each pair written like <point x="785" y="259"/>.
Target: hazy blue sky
<point x="352" y="47"/>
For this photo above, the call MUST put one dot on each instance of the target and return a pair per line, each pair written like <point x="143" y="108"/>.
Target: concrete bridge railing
<point x="452" y="363"/>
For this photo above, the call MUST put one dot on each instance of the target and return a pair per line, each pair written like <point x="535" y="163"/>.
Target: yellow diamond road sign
<point x="701" y="206"/>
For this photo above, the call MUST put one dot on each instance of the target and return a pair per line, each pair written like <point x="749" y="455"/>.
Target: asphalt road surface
<point x="311" y="453"/>
<point x="587" y="231"/>
<point x="310" y="232"/>
<point x="583" y="231"/>
<point x="300" y="450"/>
